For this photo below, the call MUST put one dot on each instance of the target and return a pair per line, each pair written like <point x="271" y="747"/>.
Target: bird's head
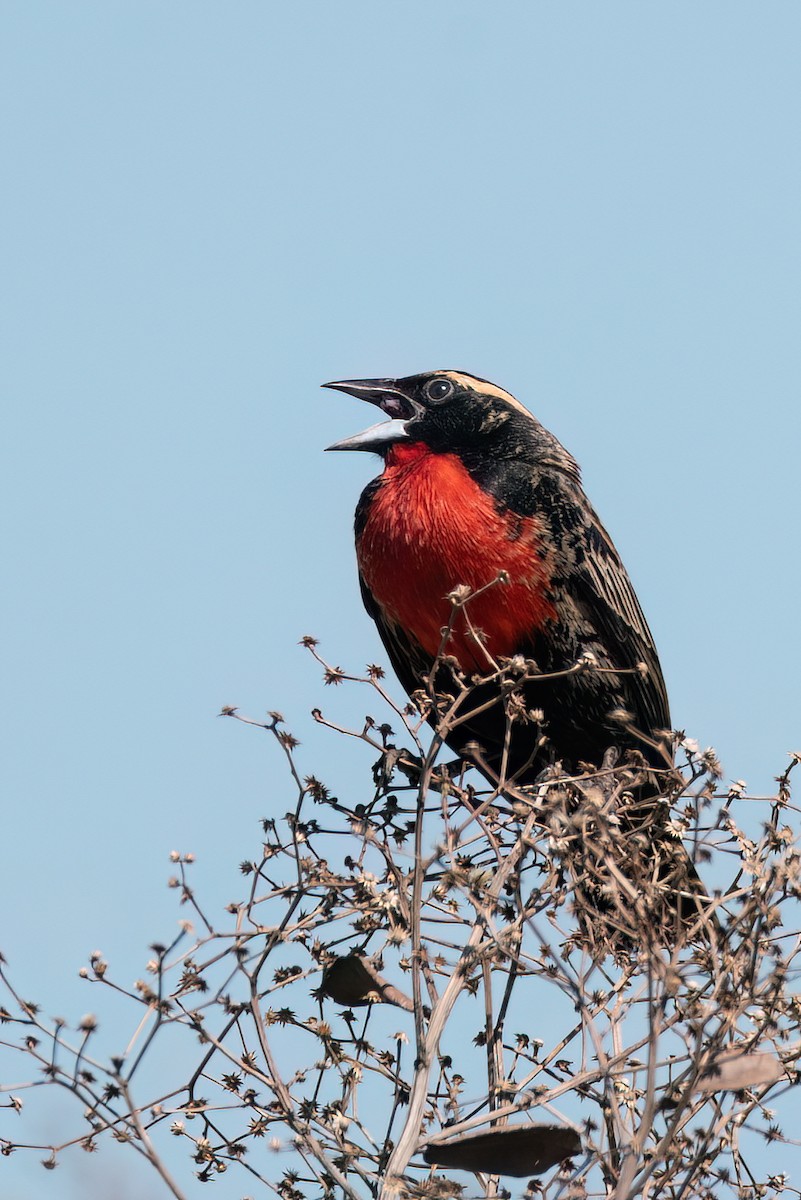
<point x="451" y="412"/>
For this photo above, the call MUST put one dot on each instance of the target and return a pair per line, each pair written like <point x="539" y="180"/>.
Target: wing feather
<point x="604" y="592"/>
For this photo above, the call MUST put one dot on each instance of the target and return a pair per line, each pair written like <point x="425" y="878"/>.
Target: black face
<point x="453" y="412"/>
<point x="450" y="411"/>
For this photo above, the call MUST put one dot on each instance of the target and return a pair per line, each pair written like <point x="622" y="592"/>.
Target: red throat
<point x="429" y="528"/>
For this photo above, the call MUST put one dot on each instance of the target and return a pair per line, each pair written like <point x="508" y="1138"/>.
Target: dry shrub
<point x="530" y="980"/>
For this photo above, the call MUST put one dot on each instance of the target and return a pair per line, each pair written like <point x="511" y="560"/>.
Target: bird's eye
<point x="438" y="390"/>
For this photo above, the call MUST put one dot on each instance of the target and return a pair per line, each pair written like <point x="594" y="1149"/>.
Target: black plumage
<point x="619" y="697"/>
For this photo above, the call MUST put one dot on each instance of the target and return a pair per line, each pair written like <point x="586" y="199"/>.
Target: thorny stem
<point x="152" y="1154"/>
<point x="282" y="1092"/>
<point x="407" y="1142"/>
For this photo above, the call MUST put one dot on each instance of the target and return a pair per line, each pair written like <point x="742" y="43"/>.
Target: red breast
<point x="428" y="529"/>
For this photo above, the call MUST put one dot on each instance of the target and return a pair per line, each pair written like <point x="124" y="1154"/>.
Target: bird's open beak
<point x="387" y="395"/>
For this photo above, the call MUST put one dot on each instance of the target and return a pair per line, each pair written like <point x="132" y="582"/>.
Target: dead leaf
<point x="514" y="1150"/>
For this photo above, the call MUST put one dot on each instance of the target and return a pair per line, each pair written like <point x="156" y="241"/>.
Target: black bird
<point x="474" y="487"/>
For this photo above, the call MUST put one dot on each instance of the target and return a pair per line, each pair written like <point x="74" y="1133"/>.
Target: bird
<point x="476" y="494"/>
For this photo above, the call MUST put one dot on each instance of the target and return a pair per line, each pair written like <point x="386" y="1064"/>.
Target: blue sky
<point x="210" y="210"/>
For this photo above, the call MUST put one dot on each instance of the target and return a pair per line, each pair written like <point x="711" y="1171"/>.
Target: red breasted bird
<point x="473" y="486"/>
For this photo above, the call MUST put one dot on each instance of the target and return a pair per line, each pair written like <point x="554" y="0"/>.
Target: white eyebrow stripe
<point x="488" y="389"/>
